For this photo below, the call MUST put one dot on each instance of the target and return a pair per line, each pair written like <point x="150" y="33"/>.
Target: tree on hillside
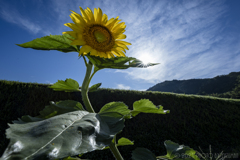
<point x="235" y="93"/>
<point x="236" y="90"/>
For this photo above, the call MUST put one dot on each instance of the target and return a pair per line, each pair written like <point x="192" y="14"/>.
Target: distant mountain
<point x="217" y="85"/>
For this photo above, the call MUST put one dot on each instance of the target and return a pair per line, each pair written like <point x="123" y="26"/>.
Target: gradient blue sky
<point x="190" y="38"/>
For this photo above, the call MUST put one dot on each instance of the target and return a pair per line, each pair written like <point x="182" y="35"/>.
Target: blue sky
<point x="190" y="38"/>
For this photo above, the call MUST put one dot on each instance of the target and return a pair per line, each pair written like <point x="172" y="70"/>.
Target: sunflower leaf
<point x="117" y="62"/>
<point x="94" y="87"/>
<point x="122" y="142"/>
<point x="64" y="135"/>
<point x="146" y="106"/>
<point x="176" y="151"/>
<point x="119" y="107"/>
<point x="69" y="85"/>
<point x="52" y="42"/>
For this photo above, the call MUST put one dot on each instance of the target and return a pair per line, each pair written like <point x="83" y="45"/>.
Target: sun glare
<point x="146" y="58"/>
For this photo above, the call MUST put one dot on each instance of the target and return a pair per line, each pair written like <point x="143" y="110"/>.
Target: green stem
<point x="84" y="92"/>
<point x="85" y="61"/>
<point x="114" y="150"/>
<point x="84" y="89"/>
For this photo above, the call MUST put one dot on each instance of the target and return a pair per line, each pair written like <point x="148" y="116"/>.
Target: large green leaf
<point x="116" y="62"/>
<point x="52" y="42"/>
<point x="69" y="85"/>
<point x="118" y="107"/>
<point x="146" y="106"/>
<point x="61" y="136"/>
<point x="143" y="105"/>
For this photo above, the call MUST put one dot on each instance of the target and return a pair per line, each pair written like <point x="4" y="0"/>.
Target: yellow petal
<point x="123" y="31"/>
<point x="117" y="32"/>
<point x="85" y="49"/>
<point x="93" y="52"/>
<point x="84" y="15"/>
<point x="90" y="15"/>
<point x="77" y="22"/>
<point x="123" y="42"/>
<point x="118" y="20"/>
<point x="98" y="53"/>
<point x="78" y="42"/>
<point x="110" y="54"/>
<point x="116" y="23"/>
<point x="78" y="17"/>
<point x="95" y="14"/>
<point x="104" y="19"/>
<point x="85" y="53"/>
<point x="109" y="21"/>
<point x="121" y="53"/>
<point x="71" y="33"/>
<point x="99" y="18"/>
<point x="72" y="26"/>
<point x="104" y="55"/>
<point x="79" y="36"/>
<point x="110" y="25"/>
<point x="117" y="26"/>
<point x="121" y="45"/>
<point x="116" y="52"/>
<point x="120" y="49"/>
<point x="121" y="36"/>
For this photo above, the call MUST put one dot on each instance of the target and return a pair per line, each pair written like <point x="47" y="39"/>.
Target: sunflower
<point x="96" y="34"/>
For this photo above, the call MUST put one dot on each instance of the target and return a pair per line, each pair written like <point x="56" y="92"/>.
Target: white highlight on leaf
<point x="54" y="153"/>
<point x="16" y="147"/>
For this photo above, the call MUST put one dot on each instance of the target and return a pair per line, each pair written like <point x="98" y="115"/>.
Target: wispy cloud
<point x="186" y="37"/>
<point x="48" y="82"/>
<point x="11" y="15"/>
<point x="122" y="86"/>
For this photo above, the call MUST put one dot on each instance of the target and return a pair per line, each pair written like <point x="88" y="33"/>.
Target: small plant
<point x="206" y="155"/>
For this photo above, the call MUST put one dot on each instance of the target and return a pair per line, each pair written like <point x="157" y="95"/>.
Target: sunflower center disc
<point x="99" y="38"/>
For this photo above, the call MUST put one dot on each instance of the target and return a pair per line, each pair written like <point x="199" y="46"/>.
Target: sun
<point x="145" y="58"/>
